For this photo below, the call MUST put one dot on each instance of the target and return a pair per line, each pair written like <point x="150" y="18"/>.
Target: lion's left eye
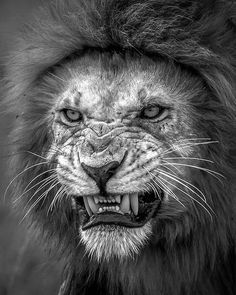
<point x="151" y="112"/>
<point x="72" y="115"/>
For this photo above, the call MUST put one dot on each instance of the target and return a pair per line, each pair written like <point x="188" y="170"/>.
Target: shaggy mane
<point x="197" y="34"/>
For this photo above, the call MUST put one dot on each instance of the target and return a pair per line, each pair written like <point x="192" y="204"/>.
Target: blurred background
<point x="25" y="268"/>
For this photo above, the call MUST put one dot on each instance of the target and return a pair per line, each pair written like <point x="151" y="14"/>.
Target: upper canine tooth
<point x="87" y="206"/>
<point x="94" y="207"/>
<point x="134" y="203"/>
<point x="125" y="204"/>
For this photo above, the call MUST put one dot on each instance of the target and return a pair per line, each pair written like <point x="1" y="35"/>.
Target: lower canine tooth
<point x="87" y="206"/>
<point x="94" y="207"/>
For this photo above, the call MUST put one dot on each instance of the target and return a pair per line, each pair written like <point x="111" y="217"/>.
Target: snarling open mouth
<point x="129" y="210"/>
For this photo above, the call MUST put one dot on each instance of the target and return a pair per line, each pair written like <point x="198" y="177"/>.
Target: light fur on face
<point x="104" y="242"/>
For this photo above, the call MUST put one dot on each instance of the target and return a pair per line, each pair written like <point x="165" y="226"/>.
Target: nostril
<point x="111" y="167"/>
<point x="101" y="174"/>
<point x="91" y="147"/>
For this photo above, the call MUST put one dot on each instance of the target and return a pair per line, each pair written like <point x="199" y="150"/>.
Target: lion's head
<point x="124" y="142"/>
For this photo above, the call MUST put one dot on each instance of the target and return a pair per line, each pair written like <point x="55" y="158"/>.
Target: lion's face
<point x="124" y="130"/>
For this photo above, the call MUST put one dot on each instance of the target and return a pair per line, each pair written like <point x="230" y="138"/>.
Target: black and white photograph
<point x="118" y="147"/>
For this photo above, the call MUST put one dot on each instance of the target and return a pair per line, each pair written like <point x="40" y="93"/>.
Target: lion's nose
<point x="101" y="174"/>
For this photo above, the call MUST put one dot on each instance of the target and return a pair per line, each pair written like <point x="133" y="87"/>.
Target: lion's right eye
<point x="71" y="116"/>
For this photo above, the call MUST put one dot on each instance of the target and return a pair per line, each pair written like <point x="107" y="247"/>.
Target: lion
<point x="124" y="142"/>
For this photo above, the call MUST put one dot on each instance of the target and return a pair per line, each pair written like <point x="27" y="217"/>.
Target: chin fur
<point x="104" y="242"/>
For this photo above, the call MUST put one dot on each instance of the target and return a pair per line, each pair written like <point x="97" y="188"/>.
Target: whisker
<point x="152" y="180"/>
<point x="170" y="192"/>
<point x="195" y="138"/>
<point x="39" y="156"/>
<point x="154" y="189"/>
<point x="182" y="146"/>
<point x="55" y="199"/>
<point x="26" y="169"/>
<point x="59" y="78"/>
<point x="43" y="180"/>
<point x="55" y="149"/>
<point x="188" y="183"/>
<point x="64" y="192"/>
<point x="189" y="158"/>
<point x="165" y="187"/>
<point x="37" y="176"/>
<point x="38" y="200"/>
<point x="203" y="198"/>
<point x="172" y="166"/>
<point x="146" y="188"/>
<point x="211" y="172"/>
<point x="43" y="185"/>
<point x="191" y="197"/>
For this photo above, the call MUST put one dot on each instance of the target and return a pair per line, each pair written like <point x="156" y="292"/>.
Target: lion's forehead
<point x="99" y="91"/>
<point x="97" y="99"/>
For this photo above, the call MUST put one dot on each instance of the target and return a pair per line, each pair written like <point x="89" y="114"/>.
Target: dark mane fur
<point x="199" y="35"/>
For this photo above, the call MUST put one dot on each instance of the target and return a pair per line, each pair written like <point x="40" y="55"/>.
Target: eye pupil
<point x="151" y="112"/>
<point x="72" y="116"/>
